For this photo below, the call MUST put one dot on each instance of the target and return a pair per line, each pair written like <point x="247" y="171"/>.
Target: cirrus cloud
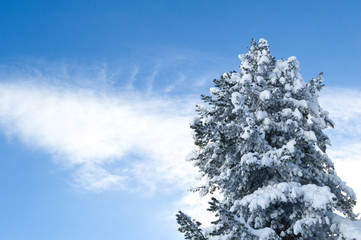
<point x="100" y="135"/>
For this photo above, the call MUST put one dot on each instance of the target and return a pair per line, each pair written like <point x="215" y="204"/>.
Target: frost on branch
<point x="261" y="142"/>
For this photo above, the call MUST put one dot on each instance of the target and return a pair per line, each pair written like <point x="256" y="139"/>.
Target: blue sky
<point x="95" y="99"/>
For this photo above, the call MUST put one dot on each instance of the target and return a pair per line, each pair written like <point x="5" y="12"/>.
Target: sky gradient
<point x="96" y="99"/>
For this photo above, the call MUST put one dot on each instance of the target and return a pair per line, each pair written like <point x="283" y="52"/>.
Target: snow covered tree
<point x="261" y="143"/>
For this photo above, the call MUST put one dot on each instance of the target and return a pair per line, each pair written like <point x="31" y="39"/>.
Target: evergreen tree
<point x="261" y="143"/>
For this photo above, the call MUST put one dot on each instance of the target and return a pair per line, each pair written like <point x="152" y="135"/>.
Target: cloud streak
<point x="100" y="135"/>
<point x="112" y="126"/>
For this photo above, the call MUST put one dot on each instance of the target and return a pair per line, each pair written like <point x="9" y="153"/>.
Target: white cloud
<point x="342" y="103"/>
<point x="95" y="134"/>
<point x="344" y="109"/>
<point x="93" y="177"/>
<point x="106" y="123"/>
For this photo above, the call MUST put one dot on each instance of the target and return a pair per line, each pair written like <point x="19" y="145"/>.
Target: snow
<point x="288" y="87"/>
<point x="246" y="78"/>
<point x="297" y="114"/>
<point x="262" y="234"/>
<point x="317" y="197"/>
<point x="235" y="77"/>
<point x="350" y="229"/>
<point x="194" y="120"/>
<point x="247" y="133"/>
<point x="265" y="95"/>
<point x="298" y="227"/>
<point x="298" y="84"/>
<point x="266" y="121"/>
<point x="245" y="64"/>
<point x="260" y="115"/>
<point x="310" y="136"/>
<point x="260" y="79"/>
<point x="191" y="155"/>
<point x="293" y="60"/>
<point x="282" y="80"/>
<point x="290" y="146"/>
<point x="286" y="112"/>
<point x="236" y="98"/>
<point x="281" y="65"/>
<point x="262" y="42"/>
<point x="263" y="60"/>
<point x="214" y="90"/>
<point x="314" y="106"/>
<point x="302" y="104"/>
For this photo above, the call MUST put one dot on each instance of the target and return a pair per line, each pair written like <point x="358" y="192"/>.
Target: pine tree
<point x="261" y="143"/>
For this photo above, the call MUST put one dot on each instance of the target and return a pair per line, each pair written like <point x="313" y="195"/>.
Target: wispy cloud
<point x="100" y="135"/>
<point x="113" y="127"/>
<point x="132" y="78"/>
